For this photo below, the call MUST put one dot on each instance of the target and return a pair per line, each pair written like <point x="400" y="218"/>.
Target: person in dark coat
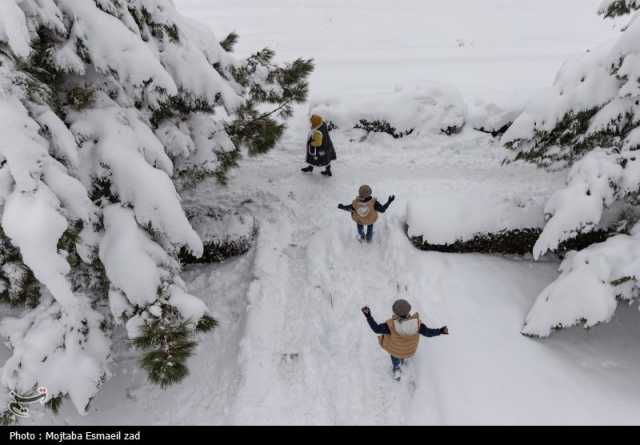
<point x="400" y="335"/>
<point x="320" y="150"/>
<point x="364" y="211"/>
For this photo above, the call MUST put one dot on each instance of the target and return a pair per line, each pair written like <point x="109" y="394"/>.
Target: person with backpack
<point x="400" y="335"/>
<point x="364" y="211"/>
<point x="320" y="150"/>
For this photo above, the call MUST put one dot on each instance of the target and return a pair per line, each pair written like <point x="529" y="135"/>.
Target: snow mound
<point x="428" y="109"/>
<point x="224" y="232"/>
<point x="490" y="117"/>
<point x="442" y="220"/>
<point x="223" y="224"/>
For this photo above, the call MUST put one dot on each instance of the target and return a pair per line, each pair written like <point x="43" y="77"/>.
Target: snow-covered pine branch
<point x="107" y="109"/>
<point x="590" y="121"/>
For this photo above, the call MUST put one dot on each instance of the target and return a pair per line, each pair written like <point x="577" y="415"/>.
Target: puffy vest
<point x="404" y="338"/>
<point x="364" y="212"/>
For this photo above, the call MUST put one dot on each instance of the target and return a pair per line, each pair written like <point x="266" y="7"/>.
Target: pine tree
<point x="590" y="122"/>
<point x="108" y="110"/>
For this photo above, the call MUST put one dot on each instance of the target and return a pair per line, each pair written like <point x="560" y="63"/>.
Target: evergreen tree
<point x="108" y="109"/>
<point x="589" y="121"/>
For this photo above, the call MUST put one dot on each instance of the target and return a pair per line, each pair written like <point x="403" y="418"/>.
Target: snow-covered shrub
<point x="589" y="121"/>
<point x="491" y="118"/>
<point x="478" y="222"/>
<point x="225" y="233"/>
<point x="484" y="222"/>
<point x="429" y="109"/>
<point x="107" y="109"/>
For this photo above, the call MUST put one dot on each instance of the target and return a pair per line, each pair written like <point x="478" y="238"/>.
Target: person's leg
<point x="369" y="232"/>
<point x="395" y="362"/>
<point x="327" y="170"/>
<point x="361" y="231"/>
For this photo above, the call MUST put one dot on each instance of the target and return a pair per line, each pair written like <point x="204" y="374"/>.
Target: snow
<point x="130" y="151"/>
<point x="427" y="109"/>
<point x="34" y="225"/>
<point x="45" y="342"/>
<point x="13" y="28"/>
<point x="459" y="216"/>
<point x="292" y="346"/>
<point x="130" y="258"/>
<point x="587" y="290"/>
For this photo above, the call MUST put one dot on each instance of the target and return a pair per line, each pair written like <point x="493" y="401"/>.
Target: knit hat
<point x="364" y="192"/>
<point x="401" y="308"/>
<point x="316" y="121"/>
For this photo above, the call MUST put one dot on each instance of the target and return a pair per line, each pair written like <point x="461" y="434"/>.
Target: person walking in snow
<point x="400" y="335"/>
<point x="364" y="211"/>
<point x="320" y="150"/>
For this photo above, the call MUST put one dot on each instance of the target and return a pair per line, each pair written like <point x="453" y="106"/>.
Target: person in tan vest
<point x="400" y="335"/>
<point x="364" y="211"/>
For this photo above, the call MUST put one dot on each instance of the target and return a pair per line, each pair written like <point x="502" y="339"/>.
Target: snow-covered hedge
<point x="106" y="105"/>
<point x="471" y="223"/>
<point x="225" y="233"/>
<point x="486" y="223"/>
<point x="491" y="118"/>
<point x="429" y="109"/>
<point x="589" y="121"/>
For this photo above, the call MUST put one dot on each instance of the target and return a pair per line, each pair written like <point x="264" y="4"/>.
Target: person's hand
<point x="341" y="206"/>
<point x="366" y="311"/>
<point x="445" y="331"/>
<point x="392" y="198"/>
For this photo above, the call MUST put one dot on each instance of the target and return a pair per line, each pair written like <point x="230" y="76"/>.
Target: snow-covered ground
<point x="500" y="50"/>
<point x="292" y="346"/>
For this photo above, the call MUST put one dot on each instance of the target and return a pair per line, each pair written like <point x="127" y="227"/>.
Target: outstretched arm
<point x="348" y="208"/>
<point x="383" y="208"/>
<point x="428" y="332"/>
<point x="381" y="329"/>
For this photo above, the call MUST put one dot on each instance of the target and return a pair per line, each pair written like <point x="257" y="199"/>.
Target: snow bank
<point x="428" y="109"/>
<point x="445" y="219"/>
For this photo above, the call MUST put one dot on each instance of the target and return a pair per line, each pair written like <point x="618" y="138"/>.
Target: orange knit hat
<point x="316" y="121"/>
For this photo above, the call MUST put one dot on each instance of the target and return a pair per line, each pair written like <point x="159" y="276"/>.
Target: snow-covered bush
<point x="491" y="118"/>
<point x="224" y="233"/>
<point x="428" y="109"/>
<point x="589" y="121"/>
<point x="478" y="222"/>
<point x="107" y="109"/>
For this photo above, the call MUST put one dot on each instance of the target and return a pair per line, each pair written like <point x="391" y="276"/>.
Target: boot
<point x="327" y="171"/>
<point x="397" y="374"/>
<point x="308" y="169"/>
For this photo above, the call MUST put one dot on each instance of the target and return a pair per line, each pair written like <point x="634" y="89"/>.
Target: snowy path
<point x="293" y="348"/>
<point x="307" y="356"/>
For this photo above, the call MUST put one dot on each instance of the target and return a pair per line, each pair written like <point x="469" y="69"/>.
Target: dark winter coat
<point x="320" y="150"/>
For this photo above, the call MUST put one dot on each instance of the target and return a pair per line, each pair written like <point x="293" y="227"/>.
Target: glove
<point x="392" y="198"/>
<point x="445" y="331"/>
<point x="341" y="206"/>
<point x="366" y="311"/>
